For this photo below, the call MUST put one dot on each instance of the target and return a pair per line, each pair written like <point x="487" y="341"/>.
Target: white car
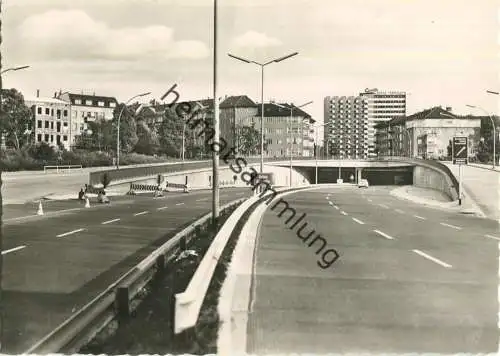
<point x="363" y="183"/>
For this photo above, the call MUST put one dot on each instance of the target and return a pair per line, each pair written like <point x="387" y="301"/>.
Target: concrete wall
<point x="433" y="179"/>
<point x="199" y="179"/>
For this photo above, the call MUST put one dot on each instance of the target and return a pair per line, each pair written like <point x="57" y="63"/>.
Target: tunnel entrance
<point x="375" y="176"/>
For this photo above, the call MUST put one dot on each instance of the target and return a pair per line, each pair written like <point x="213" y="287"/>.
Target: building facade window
<point x="39" y="110"/>
<point x="39" y="137"/>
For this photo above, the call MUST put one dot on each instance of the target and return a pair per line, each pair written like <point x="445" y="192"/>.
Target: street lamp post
<point x="118" y="127"/>
<point x="262" y="65"/>
<point x="494" y="131"/>
<point x="316" y="150"/>
<point x="290" y="129"/>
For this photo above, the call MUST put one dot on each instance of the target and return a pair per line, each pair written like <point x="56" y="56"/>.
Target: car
<point x="363" y="183"/>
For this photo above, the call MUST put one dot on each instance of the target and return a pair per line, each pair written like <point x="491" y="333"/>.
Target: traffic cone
<point x="87" y="203"/>
<point x="40" y="208"/>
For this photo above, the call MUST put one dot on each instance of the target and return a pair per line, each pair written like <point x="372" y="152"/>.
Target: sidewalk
<point x="482" y="186"/>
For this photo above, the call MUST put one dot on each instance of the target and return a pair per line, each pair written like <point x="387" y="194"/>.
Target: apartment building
<point x="52" y="120"/>
<point x="287" y="134"/>
<point x="86" y="108"/>
<point x="236" y="112"/>
<point x="346" y="132"/>
<point x="427" y="133"/>
<point x="382" y="106"/>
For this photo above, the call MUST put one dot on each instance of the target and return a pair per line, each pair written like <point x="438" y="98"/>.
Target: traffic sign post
<point x="460" y="150"/>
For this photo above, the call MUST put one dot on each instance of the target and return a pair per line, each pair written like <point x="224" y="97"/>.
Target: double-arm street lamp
<point x="494" y="130"/>
<point x="13" y="69"/>
<point x="118" y="127"/>
<point x="262" y="65"/>
<point x="291" y="107"/>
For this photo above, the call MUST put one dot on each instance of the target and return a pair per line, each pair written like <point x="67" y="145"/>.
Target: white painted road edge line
<point x="70" y="232"/>
<point x="492" y="237"/>
<point x="163" y="207"/>
<point x="498" y="295"/>
<point x="110" y="221"/>
<point x="343" y="213"/>
<point x="370" y="200"/>
<point x="433" y="259"/>
<point x="13" y="249"/>
<point x="399" y="211"/>
<point x="384" y="206"/>
<point x="452" y="226"/>
<point x="384" y="235"/>
<point x="179" y="204"/>
<point x="358" y="221"/>
<point x="420" y="217"/>
<point x="141" y="213"/>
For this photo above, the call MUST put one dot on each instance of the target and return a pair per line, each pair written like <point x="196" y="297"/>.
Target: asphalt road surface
<point x="409" y="278"/>
<point x="56" y="263"/>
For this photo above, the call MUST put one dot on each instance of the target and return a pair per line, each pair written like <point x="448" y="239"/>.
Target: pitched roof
<point x="239" y="101"/>
<point x="436" y="112"/>
<point x="82" y="97"/>
<point x="273" y="110"/>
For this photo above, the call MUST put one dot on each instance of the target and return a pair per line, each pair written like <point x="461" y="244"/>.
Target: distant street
<point x="56" y="263"/>
<point x="409" y="279"/>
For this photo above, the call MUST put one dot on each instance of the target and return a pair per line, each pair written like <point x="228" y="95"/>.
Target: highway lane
<point x="66" y="260"/>
<point x="402" y="283"/>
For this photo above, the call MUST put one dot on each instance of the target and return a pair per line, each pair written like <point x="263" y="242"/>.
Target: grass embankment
<point x="150" y="329"/>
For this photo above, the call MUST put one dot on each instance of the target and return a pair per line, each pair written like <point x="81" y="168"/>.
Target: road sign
<point x="460" y="149"/>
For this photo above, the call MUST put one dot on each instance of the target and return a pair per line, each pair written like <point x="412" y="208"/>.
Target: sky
<point x="441" y="52"/>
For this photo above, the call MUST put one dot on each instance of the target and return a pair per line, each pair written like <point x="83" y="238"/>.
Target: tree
<point x="248" y="140"/>
<point x="17" y="119"/>
<point x="128" y="128"/>
<point x="170" y="134"/>
<point x="148" y="142"/>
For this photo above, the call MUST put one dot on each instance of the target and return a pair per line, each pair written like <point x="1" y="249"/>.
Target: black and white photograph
<point x="249" y="177"/>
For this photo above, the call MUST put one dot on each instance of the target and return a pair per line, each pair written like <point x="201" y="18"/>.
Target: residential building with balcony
<point x="382" y="106"/>
<point x="287" y="134"/>
<point x="52" y="119"/>
<point x="426" y="134"/>
<point x="86" y="108"/>
<point x="346" y="132"/>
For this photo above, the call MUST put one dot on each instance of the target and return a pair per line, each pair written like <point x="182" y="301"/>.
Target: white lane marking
<point x="433" y="259"/>
<point x="13" y="249"/>
<point x="336" y="207"/>
<point x="399" y="211"/>
<point x="179" y="204"/>
<point x="370" y="200"/>
<point x="420" y="217"/>
<point x="110" y="221"/>
<point x="343" y="213"/>
<point x="330" y="203"/>
<point x="141" y="213"/>
<point x="493" y="237"/>
<point x="384" y="234"/>
<point x="70" y="233"/>
<point x="358" y="221"/>
<point x="200" y="199"/>
<point x="327" y="198"/>
<point x="452" y="226"/>
<point x="163" y="207"/>
<point x="384" y="206"/>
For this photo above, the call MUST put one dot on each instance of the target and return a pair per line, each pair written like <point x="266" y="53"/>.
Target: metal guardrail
<point x="115" y="301"/>
<point x="65" y="167"/>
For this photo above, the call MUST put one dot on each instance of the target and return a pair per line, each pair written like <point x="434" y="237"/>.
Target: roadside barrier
<point x="115" y="302"/>
<point x="188" y="303"/>
<point x="134" y="187"/>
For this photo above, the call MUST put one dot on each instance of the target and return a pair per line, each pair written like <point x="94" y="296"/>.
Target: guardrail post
<point x="182" y="243"/>
<point x="122" y="304"/>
